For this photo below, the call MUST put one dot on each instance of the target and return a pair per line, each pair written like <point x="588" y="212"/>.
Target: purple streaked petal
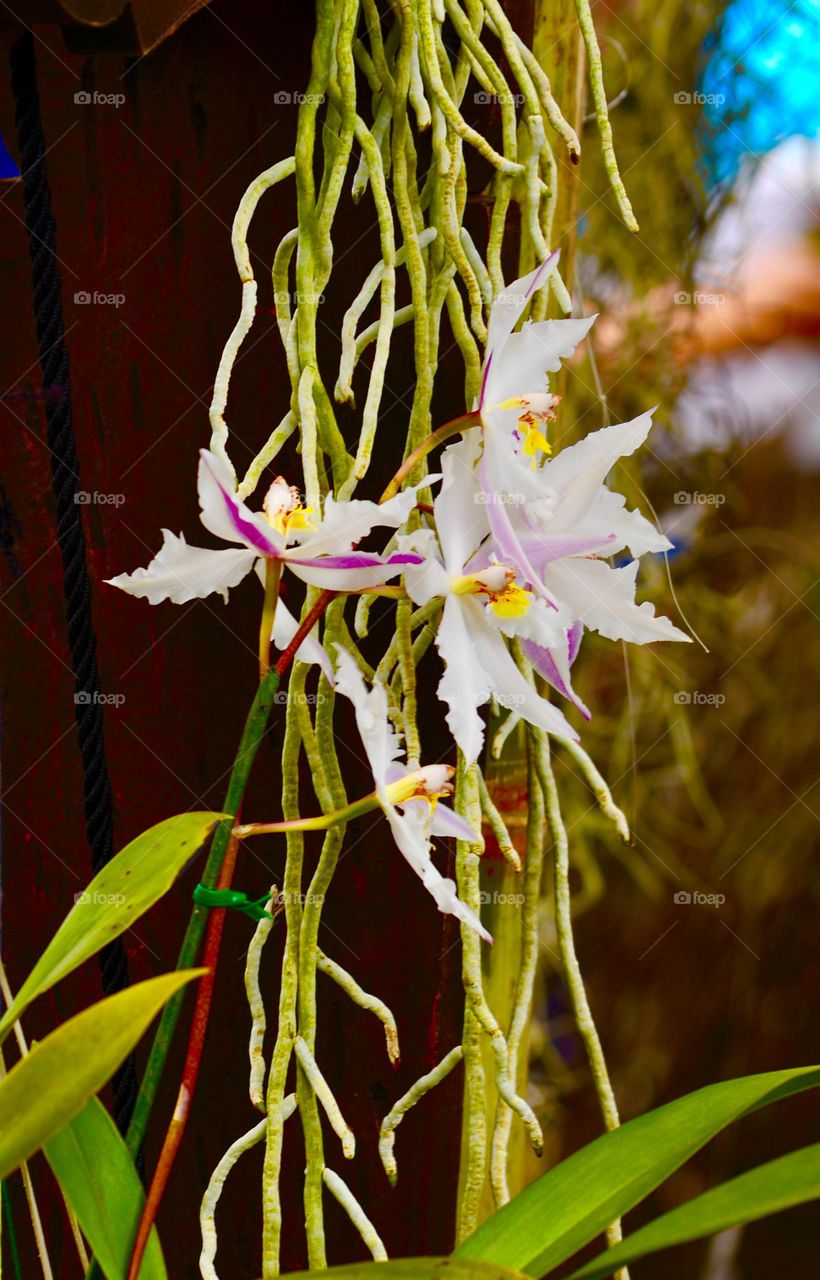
<point x="351" y="560"/>
<point x="224" y="515"/>
<point x="574" y="637"/>
<point x="508" y="544"/>
<point x="546" y="666"/>
<point x="449" y="825"/>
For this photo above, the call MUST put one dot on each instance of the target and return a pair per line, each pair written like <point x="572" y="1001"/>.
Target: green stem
<point x="12" y="1238"/>
<point x="253" y="732"/>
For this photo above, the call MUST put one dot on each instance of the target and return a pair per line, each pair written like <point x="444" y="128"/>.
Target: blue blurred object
<point x="8" y="166"/>
<point x="761" y="83"/>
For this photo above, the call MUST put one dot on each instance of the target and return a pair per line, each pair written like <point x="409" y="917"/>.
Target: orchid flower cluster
<point x="516" y="548"/>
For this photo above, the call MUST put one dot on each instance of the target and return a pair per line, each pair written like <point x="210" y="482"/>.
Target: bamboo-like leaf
<point x="48" y="1087"/>
<point x="125" y="889"/>
<point x="97" y="1177"/>
<point x="412" y="1269"/>
<point x="574" y="1202"/>
<point x="771" y="1187"/>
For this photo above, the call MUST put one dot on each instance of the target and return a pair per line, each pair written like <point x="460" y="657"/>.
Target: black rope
<point x="48" y="312"/>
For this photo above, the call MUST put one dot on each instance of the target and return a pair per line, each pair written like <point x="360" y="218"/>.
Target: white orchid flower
<point x="563" y="518"/>
<point x="409" y="798"/>
<point x="515" y="405"/>
<point x="483" y="603"/>
<point x="322" y="554"/>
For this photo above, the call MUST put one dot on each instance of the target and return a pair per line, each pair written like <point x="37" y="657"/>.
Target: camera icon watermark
<point x="482" y="98"/>
<point x="499" y="499"/>
<point x="294" y="298"/>
<point x="684" y="99"/>
<point x="687" y="698"/>
<point x="699" y="299"/>
<point x="683" y="898"/>
<point x="83" y="98"/>
<point x="697" y="499"/>
<point x="87" y="698"/>
<point x="83" y="298"/>
<point x="284" y="98"/>
<point x="93" y="498"/>
<point x="498" y="899"/>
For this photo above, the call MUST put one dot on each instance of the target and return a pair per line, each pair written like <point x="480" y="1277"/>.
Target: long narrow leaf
<point x="771" y="1187"/>
<point x="48" y="1087"/>
<point x="411" y="1269"/>
<point x="574" y="1202"/>
<point x="118" y="895"/>
<point x="97" y="1177"/>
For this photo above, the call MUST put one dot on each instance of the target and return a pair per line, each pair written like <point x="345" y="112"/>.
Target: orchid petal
<point x="508" y="541"/>
<point x="461" y="517"/>
<point x="449" y="825"/>
<point x="603" y="599"/>
<point x="379" y="740"/>
<point x="574" y="637"/>
<point x="310" y="650"/>
<point x="181" y="573"/>
<point x="225" y="516"/>
<point x="505" y="314"/>
<point x="355" y="571"/>
<point x="528" y="356"/>
<point x="429" y="578"/>
<point x="464" y="686"/>
<point x="509" y="686"/>
<point x="579" y="471"/>
<point x="346" y="523"/>
<point x="553" y="665"/>
<point x="628" y="528"/>
<point x="411" y="839"/>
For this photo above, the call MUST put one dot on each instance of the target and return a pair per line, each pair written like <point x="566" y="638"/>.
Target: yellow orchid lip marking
<point x="538" y="412"/>
<point x="512" y="602"/>
<point x="283" y="509"/>
<point x="497" y="585"/>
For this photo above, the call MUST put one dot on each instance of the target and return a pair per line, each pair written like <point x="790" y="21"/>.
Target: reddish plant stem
<point x="305" y="628"/>
<point x="193" y="1060"/>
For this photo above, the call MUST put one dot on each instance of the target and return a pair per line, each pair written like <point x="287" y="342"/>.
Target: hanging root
<point x="364" y="1001"/>
<point x="257" y="1006"/>
<point x="599" y="789"/>
<point x="324" y="1093"/>
<point x="566" y="947"/>
<point x="497" y="824"/>
<point x="207" y="1211"/>
<point x="391" y="1122"/>
<point x="356" y="1214"/>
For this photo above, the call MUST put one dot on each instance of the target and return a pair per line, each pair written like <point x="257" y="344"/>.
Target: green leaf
<point x="779" y="1184"/>
<point x="125" y="889"/>
<point x="97" y="1177"/>
<point x="47" y="1088"/>
<point x="574" y="1202"/>
<point x="411" y="1269"/>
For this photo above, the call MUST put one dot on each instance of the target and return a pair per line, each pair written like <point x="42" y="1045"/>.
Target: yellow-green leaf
<point x="125" y="889"/>
<point x="47" y="1088"/>
<point x="412" y="1269"/>
<point x="98" y="1180"/>
<point x="770" y="1188"/>
<point x="574" y="1202"/>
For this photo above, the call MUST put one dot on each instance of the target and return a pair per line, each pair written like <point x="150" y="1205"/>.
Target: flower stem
<point x="431" y="442"/>
<point x="273" y="574"/>
<point x="322" y="822"/>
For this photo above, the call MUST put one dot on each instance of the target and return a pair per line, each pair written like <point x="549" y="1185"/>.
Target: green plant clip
<point x="232" y="899"/>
